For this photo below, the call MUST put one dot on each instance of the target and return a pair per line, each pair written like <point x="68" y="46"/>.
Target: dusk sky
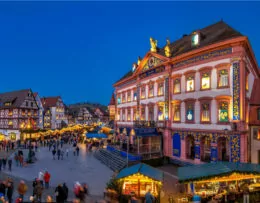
<point x="79" y="49"/>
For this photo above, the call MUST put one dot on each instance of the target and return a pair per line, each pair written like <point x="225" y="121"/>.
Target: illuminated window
<point x="151" y="90"/>
<point x="205" y="81"/>
<point x="118" y="115"/>
<point x="177" y="86"/>
<point x="160" y="113"/>
<point x="176" y="112"/>
<point x="160" y="89"/>
<point x="135" y="96"/>
<point x="142" y="114"/>
<point x="223" y="78"/>
<point x="10" y="122"/>
<point x="151" y="113"/>
<point x="247" y="81"/>
<point x="118" y="100"/>
<point x="205" y="114"/>
<point x="10" y="113"/>
<point x="134" y="115"/>
<point x="123" y="98"/>
<point x="190" y="112"/>
<point x="8" y="103"/>
<point x="223" y="112"/>
<point x="143" y="92"/>
<point x="129" y="96"/>
<point x="123" y="115"/>
<point x="195" y="39"/>
<point x="190" y="84"/>
<point x="128" y="115"/>
<point x="258" y="114"/>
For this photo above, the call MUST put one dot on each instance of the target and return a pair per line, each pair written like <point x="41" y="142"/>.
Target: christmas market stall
<point x="139" y="178"/>
<point x="221" y="179"/>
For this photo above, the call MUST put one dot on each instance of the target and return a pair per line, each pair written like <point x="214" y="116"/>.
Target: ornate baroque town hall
<point x="193" y="100"/>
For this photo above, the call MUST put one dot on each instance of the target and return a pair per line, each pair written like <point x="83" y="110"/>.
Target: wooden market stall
<point x="220" y="178"/>
<point x="139" y="179"/>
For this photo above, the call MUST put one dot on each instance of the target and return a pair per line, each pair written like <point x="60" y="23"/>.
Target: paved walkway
<point x="84" y="168"/>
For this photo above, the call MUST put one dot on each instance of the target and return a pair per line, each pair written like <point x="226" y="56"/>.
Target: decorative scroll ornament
<point x="139" y="60"/>
<point x="167" y="49"/>
<point x="153" y="45"/>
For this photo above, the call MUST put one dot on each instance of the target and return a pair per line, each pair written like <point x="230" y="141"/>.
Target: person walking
<point x="22" y="189"/>
<point x="3" y="188"/>
<point x="77" y="149"/>
<point x="66" y="191"/>
<point x="4" y="160"/>
<point x="20" y="157"/>
<point x="9" y="192"/>
<point x="58" y="154"/>
<point x="246" y="194"/>
<point x="10" y="161"/>
<point x="16" y="158"/>
<point x="67" y="153"/>
<point x="62" y="154"/>
<point x="1" y="162"/>
<point x="38" y="191"/>
<point x="47" y="178"/>
<point x="53" y="153"/>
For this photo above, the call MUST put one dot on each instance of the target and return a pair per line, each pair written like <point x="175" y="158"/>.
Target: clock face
<point x="195" y="39"/>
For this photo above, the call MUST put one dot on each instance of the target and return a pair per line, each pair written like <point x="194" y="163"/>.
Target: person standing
<point x="9" y="192"/>
<point x="4" y="160"/>
<point x="10" y="164"/>
<point x="38" y="191"/>
<point x="16" y="158"/>
<point x="1" y="161"/>
<point x="246" y="194"/>
<point x="47" y="178"/>
<point x="40" y="177"/>
<point x="22" y="189"/>
<point x="58" y="154"/>
<point x="53" y="153"/>
<point x="67" y="153"/>
<point x="60" y="194"/>
<point x="149" y="198"/>
<point x="77" y="149"/>
<point x="62" y="154"/>
<point x="20" y="157"/>
<point x="66" y="191"/>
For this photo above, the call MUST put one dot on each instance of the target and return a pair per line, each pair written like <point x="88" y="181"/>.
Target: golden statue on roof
<point x="153" y="45"/>
<point x="167" y="49"/>
<point x="139" y="60"/>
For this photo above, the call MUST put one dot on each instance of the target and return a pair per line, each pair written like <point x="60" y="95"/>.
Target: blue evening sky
<point x="79" y="49"/>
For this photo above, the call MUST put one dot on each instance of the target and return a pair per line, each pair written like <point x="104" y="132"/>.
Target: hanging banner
<point x="166" y="98"/>
<point x="234" y="144"/>
<point x="236" y="91"/>
<point x="176" y="144"/>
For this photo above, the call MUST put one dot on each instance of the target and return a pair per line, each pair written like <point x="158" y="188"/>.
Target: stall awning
<point x="143" y="169"/>
<point x="96" y="135"/>
<point x="207" y="171"/>
<point x="142" y="132"/>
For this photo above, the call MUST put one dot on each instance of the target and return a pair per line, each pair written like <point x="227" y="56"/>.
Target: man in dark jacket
<point x="66" y="191"/>
<point x="58" y="154"/>
<point x="1" y="164"/>
<point x="2" y="188"/>
<point x="4" y="160"/>
<point x="60" y="194"/>
<point x="10" y="164"/>
<point x="9" y="192"/>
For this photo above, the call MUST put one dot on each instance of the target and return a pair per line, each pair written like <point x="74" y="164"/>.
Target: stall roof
<point x="143" y="169"/>
<point x="205" y="171"/>
<point x="96" y="135"/>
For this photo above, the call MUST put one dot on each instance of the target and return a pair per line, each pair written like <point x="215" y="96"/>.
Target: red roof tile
<point x="49" y="101"/>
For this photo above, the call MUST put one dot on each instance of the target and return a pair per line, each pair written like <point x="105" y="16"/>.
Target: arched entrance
<point x="223" y="149"/>
<point x="190" y="147"/>
<point x="205" y="149"/>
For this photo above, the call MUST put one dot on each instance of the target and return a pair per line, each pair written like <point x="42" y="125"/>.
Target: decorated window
<point x="135" y="96"/>
<point x="160" y="89"/>
<point x="129" y="96"/>
<point x="195" y="39"/>
<point x="190" y="112"/>
<point x="205" y="81"/>
<point x="176" y="112"/>
<point x="205" y="112"/>
<point x="143" y="92"/>
<point x="177" y="86"/>
<point x="123" y="98"/>
<point x="151" y="90"/>
<point x="223" y="112"/>
<point x="223" y="78"/>
<point x="190" y="84"/>
<point x="123" y="115"/>
<point x="151" y="113"/>
<point x="142" y="114"/>
<point x="128" y="115"/>
<point x="118" y="100"/>
<point x="160" y="113"/>
<point x="258" y="114"/>
<point x="134" y="115"/>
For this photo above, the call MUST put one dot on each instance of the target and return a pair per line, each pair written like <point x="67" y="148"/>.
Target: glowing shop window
<point x="190" y="113"/>
<point x="177" y="113"/>
<point x="205" y="81"/>
<point x="223" y="112"/>
<point x="205" y="113"/>
<point x="160" y="113"/>
<point x="223" y="78"/>
<point x="177" y="86"/>
<point x="160" y="89"/>
<point x="190" y="84"/>
<point x="151" y="91"/>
